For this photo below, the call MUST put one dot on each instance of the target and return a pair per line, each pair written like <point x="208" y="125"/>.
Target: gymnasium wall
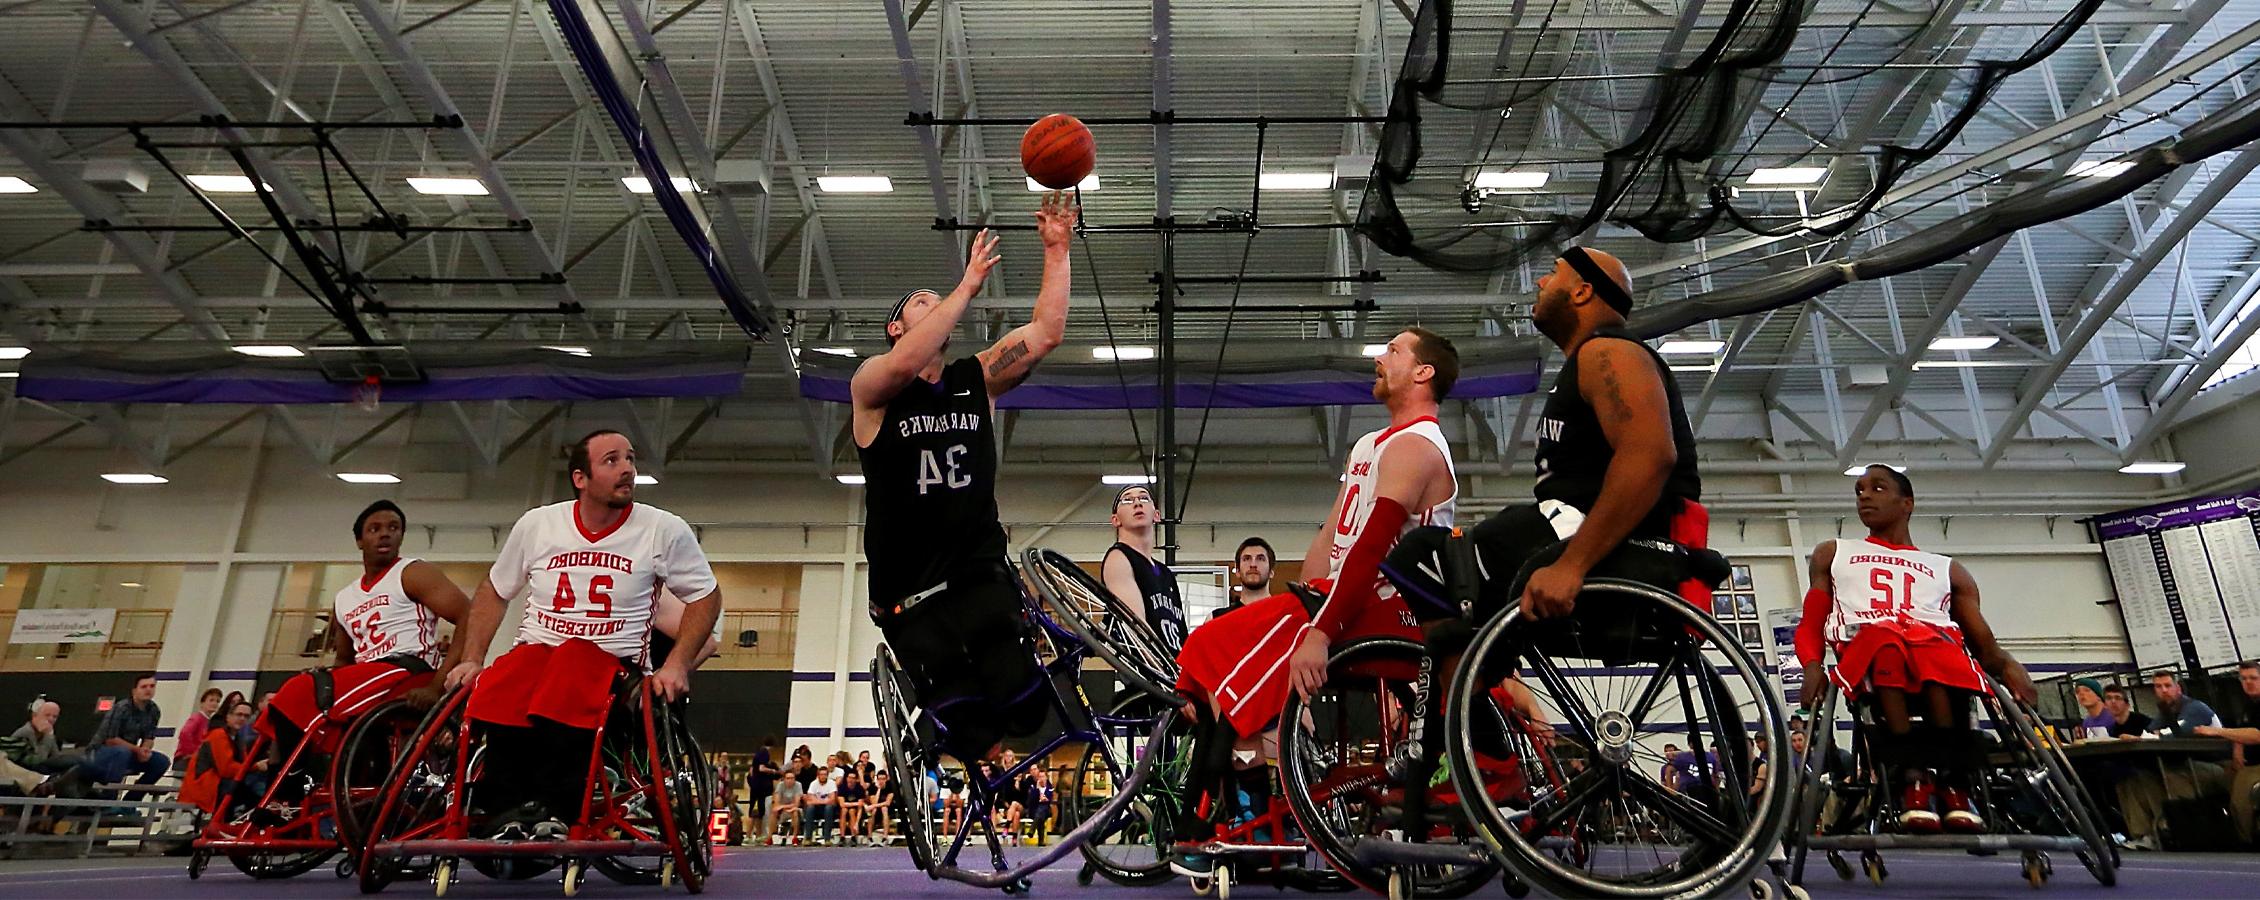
<point x="236" y="519"/>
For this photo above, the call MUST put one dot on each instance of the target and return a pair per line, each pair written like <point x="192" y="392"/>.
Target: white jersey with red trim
<point x="1875" y="582"/>
<point x="1358" y="492"/>
<point x="383" y="620"/>
<point x="600" y="586"/>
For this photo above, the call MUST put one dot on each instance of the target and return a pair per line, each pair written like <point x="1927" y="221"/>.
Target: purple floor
<point x="798" y="872"/>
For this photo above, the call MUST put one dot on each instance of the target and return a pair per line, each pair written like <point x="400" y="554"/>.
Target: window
<point x="1736" y="607"/>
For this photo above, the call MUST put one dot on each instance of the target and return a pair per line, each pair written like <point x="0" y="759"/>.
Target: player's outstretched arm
<point x="1008" y="362"/>
<point x="881" y="377"/>
<point x="429" y="586"/>
<point x="1979" y="634"/>
<point x="1810" y="628"/>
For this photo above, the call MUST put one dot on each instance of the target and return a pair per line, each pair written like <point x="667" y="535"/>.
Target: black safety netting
<point x="1491" y="94"/>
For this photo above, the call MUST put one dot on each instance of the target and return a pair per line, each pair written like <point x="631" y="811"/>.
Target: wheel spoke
<point x="1549" y="813"/>
<point x="1698" y="821"/>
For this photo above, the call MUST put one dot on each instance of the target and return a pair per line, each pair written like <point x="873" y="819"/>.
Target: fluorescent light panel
<point x="1122" y="352"/>
<point x="269" y="351"/>
<point x="855" y="184"/>
<point x="1295" y="181"/>
<point x="641" y="478"/>
<point x="222" y="184"/>
<point x="2151" y="468"/>
<point x="459" y="187"/>
<point x="129" y="584"/>
<point x="1373" y="349"/>
<point x="568" y="349"/>
<point x="133" y="478"/>
<point x="848" y="352"/>
<point x="7" y="353"/>
<point x="637" y="184"/>
<point x="848" y="479"/>
<point x="1089" y="183"/>
<point x="1981" y="342"/>
<point x="368" y="478"/>
<point x="1690" y="348"/>
<point x="1861" y="469"/>
<point x="1789" y="176"/>
<point x="1126" y="479"/>
<point x="11" y="374"/>
<point x="2100" y="168"/>
<point x="1510" y="181"/>
<point x="10" y="184"/>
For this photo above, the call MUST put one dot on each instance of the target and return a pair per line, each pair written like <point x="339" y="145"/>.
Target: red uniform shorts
<point x="1903" y="654"/>
<point x="570" y="684"/>
<point x="1241" y="659"/>
<point x="355" y="689"/>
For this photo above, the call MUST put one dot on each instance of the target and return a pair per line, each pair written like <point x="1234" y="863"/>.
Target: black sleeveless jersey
<point x="1165" y="610"/>
<point x="930" y="487"/>
<point x="1574" y="453"/>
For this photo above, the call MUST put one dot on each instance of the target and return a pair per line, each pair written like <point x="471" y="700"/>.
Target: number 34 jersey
<point x="599" y="585"/>
<point x="930" y="486"/>
<point x="1880" y="582"/>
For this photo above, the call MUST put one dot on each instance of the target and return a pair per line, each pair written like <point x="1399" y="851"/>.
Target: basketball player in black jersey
<point x="1616" y="458"/>
<point x="1143" y="584"/>
<point x="941" y="590"/>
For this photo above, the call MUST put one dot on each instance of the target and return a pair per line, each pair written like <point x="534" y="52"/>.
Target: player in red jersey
<point x="1903" y="623"/>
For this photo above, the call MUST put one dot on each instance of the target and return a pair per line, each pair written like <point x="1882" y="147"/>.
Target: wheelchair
<point x="317" y="804"/>
<point x="2024" y="789"/>
<point x="641" y="820"/>
<point x="1123" y="745"/>
<point x="1573" y="807"/>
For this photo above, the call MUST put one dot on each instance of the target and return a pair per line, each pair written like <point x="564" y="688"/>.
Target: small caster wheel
<point x="1793" y="892"/>
<point x="1223" y="882"/>
<point x="1083" y="876"/>
<point x="1843" y="869"/>
<point x="196" y="863"/>
<point x="1017" y="889"/>
<point x="1514" y="885"/>
<point x="1400" y="887"/>
<point x="1761" y="889"/>
<point x="666" y="873"/>
<point x="1203" y="885"/>
<point x="443" y="874"/>
<point x="573" y="878"/>
<point x="1872" y="863"/>
<point x="2036" y="869"/>
<point x="345" y="866"/>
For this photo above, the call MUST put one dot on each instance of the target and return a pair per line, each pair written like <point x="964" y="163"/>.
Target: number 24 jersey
<point x="599" y="585"/>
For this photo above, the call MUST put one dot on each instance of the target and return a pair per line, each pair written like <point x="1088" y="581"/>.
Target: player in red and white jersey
<point x="592" y="569"/>
<point x="1904" y="623"/>
<point x="384" y="628"/>
<point x="1237" y="669"/>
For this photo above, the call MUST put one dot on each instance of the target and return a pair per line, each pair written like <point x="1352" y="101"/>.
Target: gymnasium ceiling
<point x="811" y="88"/>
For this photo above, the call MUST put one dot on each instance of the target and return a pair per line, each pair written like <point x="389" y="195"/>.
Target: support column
<point x="194" y="633"/>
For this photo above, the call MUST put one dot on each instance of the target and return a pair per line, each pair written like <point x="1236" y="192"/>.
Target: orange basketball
<point x="1058" y="151"/>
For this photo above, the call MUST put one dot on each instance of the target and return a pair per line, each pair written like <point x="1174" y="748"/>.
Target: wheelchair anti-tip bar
<point x="1124" y="791"/>
<point x="1381" y="852"/>
<point x="1946" y="842"/>
<point x="399" y="849"/>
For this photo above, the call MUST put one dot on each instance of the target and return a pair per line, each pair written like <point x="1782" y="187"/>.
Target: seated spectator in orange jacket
<point x="218" y="761"/>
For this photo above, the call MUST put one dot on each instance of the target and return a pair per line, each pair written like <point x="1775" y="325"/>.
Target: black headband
<point x="1611" y="293"/>
<point x="896" y="312"/>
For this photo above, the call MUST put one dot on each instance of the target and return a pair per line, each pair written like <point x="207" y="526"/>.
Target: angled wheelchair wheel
<point x="629" y="767"/>
<point x="1634" y="666"/>
<point x="897" y="704"/>
<point x="420" y="790"/>
<point x="2065" y="806"/>
<point x="1134" y="850"/>
<point x="1078" y="602"/>
<point x="364" y="758"/>
<point x="1335" y="750"/>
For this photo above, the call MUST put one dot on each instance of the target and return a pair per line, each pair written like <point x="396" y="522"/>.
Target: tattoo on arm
<point x="1613" y="403"/>
<point x="1006" y="358"/>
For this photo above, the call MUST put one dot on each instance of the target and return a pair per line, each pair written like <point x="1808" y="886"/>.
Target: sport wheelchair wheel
<point x="628" y="765"/>
<point x="892" y="695"/>
<point x="1631" y="660"/>
<point x="357" y="777"/>
<point x="2063" y="798"/>
<point x="418" y="789"/>
<point x="1334" y="752"/>
<point x="1106" y="627"/>
<point x="1134" y="850"/>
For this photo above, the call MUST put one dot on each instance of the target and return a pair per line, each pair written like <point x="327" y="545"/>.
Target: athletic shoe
<point x="1916" y="816"/>
<point x="1959" y="816"/>
<point x="1193" y="865"/>
<point x="551" y="830"/>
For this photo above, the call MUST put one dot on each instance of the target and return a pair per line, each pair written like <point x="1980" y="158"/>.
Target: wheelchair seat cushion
<point x="1520" y="539"/>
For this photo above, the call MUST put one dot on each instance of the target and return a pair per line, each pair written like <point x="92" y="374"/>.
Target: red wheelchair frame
<point x="605" y="827"/>
<point x="251" y="846"/>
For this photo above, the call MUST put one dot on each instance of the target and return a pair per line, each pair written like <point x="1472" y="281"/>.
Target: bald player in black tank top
<point x="940" y="587"/>
<point x="1616" y="455"/>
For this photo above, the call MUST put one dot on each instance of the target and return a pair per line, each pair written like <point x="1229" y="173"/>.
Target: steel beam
<point x="929" y="143"/>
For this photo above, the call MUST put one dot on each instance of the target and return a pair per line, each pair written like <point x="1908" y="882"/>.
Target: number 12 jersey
<point x="930" y="486"/>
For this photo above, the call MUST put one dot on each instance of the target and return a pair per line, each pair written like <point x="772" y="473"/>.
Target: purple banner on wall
<point x="2178" y="514"/>
<point x="443" y="371"/>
